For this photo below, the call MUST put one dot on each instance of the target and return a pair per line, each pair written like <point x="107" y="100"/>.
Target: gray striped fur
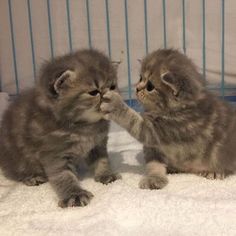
<point x="184" y="127"/>
<point x="49" y="129"/>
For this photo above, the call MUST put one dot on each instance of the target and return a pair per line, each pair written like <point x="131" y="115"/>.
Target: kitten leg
<point x="155" y="170"/>
<point x="139" y="127"/>
<point x="65" y="183"/>
<point x="98" y="158"/>
<point x="35" y="181"/>
<point x="102" y="172"/>
<point x="33" y="174"/>
<point x="155" y="177"/>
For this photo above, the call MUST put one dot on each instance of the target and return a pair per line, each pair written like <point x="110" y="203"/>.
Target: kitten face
<point x="77" y="82"/>
<point x="168" y="80"/>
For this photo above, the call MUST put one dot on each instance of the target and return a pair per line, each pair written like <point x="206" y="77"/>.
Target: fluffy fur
<point x="48" y="130"/>
<point x="184" y="127"/>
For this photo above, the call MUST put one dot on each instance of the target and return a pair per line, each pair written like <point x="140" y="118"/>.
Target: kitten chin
<point x="48" y="129"/>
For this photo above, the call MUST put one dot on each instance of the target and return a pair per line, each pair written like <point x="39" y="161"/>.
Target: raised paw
<point x="153" y="182"/>
<point x="35" y="181"/>
<point x="82" y="198"/>
<point x="107" y="178"/>
<point x="111" y="101"/>
<point x="212" y="175"/>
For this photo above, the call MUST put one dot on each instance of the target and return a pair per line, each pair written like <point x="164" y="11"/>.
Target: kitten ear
<point x="116" y="64"/>
<point x="140" y="61"/>
<point x="169" y="79"/>
<point x="65" y="80"/>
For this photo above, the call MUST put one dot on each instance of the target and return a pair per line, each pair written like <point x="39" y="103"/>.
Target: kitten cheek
<point x="141" y="95"/>
<point x="139" y="98"/>
<point x="96" y="99"/>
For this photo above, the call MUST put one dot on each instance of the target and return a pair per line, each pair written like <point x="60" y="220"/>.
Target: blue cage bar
<point x="128" y="50"/>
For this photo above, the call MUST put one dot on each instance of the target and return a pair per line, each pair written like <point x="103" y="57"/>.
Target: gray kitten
<point x="184" y="127"/>
<point x="49" y="129"/>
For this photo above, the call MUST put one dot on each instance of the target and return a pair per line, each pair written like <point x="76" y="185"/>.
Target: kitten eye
<point x="113" y="87"/>
<point x="149" y="86"/>
<point x="94" y="92"/>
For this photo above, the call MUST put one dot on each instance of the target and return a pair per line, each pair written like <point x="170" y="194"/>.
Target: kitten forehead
<point x="152" y="61"/>
<point x="163" y="71"/>
<point x="149" y="62"/>
<point x="96" y="78"/>
<point x="86" y="63"/>
<point x="147" y="73"/>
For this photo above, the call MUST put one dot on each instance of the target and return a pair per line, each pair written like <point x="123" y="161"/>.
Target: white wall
<point x="118" y="40"/>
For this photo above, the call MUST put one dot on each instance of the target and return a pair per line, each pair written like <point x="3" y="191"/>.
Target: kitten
<point x="49" y="129"/>
<point x="184" y="127"/>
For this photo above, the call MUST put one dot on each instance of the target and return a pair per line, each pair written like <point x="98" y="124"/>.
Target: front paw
<point x="35" y="181"/>
<point x="213" y="175"/>
<point x="107" y="178"/>
<point x="153" y="182"/>
<point x="111" y="101"/>
<point x="82" y="198"/>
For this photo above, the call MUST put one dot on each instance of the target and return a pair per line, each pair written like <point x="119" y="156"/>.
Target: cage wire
<point x="127" y="30"/>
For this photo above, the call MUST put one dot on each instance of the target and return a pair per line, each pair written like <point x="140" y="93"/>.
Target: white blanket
<point x="189" y="205"/>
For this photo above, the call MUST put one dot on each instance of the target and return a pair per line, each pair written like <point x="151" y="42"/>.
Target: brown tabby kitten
<point x="49" y="129"/>
<point x="184" y="127"/>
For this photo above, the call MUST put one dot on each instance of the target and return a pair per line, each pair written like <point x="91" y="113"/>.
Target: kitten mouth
<point x="139" y="95"/>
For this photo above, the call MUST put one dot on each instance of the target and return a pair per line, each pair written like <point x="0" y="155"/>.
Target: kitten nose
<point x="103" y="91"/>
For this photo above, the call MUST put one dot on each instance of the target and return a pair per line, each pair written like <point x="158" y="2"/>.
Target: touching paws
<point x="107" y="178"/>
<point x="82" y="198"/>
<point x="153" y="182"/>
<point x="111" y="102"/>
